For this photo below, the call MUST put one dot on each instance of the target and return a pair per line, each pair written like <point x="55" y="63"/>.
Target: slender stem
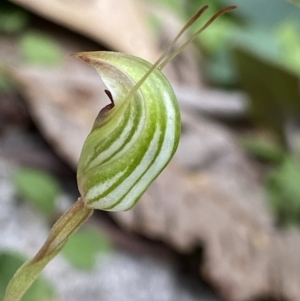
<point x="66" y="225"/>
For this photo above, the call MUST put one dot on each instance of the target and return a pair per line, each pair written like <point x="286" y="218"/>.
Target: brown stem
<point x="67" y="224"/>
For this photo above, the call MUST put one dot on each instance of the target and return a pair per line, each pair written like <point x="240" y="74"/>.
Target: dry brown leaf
<point x="209" y="195"/>
<point x="64" y="106"/>
<point x="119" y="24"/>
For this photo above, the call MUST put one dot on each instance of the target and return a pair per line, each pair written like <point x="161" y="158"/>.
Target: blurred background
<point x="222" y="221"/>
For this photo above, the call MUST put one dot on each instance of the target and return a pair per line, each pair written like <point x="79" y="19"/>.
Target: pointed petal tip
<point x="88" y="56"/>
<point x="79" y="55"/>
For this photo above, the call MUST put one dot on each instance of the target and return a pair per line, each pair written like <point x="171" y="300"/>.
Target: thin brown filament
<point x="157" y="63"/>
<point x="193" y="37"/>
<point x="182" y="31"/>
<point x="160" y="63"/>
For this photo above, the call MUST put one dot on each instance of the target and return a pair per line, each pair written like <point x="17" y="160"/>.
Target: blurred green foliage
<point x="294" y="1"/>
<point x="38" y="48"/>
<point x="35" y="46"/>
<point x="288" y="35"/>
<point x="267" y="28"/>
<point x="274" y="91"/>
<point x="12" y="19"/>
<point x="9" y="263"/>
<point x="264" y="149"/>
<point x="38" y="187"/>
<point x="82" y="248"/>
<point x="282" y="179"/>
<point x="283" y="186"/>
<point x="5" y="82"/>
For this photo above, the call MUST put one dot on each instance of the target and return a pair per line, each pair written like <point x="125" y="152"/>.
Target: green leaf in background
<point x="264" y="149"/>
<point x="38" y="48"/>
<point x="220" y="68"/>
<point x="83" y="247"/>
<point x="294" y="1"/>
<point x="13" y="20"/>
<point x="288" y="36"/>
<point x="38" y="187"/>
<point x="269" y="29"/>
<point x="283" y="186"/>
<point x="216" y="37"/>
<point x="9" y="263"/>
<point x="274" y="91"/>
<point x="260" y="41"/>
<point x="5" y="83"/>
<point x="265" y="13"/>
<point x="280" y="45"/>
<point x="174" y="5"/>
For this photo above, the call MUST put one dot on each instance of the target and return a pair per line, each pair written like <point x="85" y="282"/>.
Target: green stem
<point x="66" y="225"/>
